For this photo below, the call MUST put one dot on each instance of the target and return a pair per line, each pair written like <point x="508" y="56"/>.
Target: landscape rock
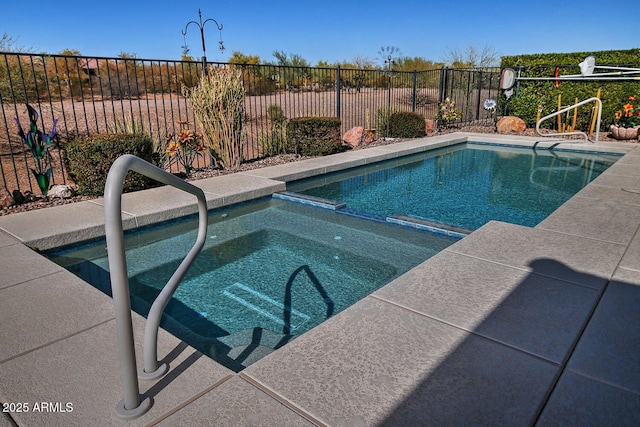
<point x="61" y="191"/>
<point x="511" y="124"/>
<point x="6" y="199"/>
<point x="18" y="198"/>
<point x="29" y="197"/>
<point x="356" y="136"/>
<point x="367" y="138"/>
<point x="430" y="125"/>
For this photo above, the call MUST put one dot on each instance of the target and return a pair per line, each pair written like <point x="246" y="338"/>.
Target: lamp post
<point x="390" y="73"/>
<point x="201" y="25"/>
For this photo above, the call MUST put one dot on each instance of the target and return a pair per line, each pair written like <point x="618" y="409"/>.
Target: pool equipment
<point x="587" y="68"/>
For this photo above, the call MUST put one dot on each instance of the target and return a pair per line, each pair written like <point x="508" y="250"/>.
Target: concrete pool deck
<point x="509" y="326"/>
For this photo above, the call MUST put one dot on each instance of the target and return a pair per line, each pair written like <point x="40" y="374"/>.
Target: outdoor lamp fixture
<point x="389" y="63"/>
<point x="390" y="73"/>
<point x="201" y="24"/>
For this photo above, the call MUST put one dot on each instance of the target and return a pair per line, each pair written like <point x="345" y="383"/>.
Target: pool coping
<point x="607" y="204"/>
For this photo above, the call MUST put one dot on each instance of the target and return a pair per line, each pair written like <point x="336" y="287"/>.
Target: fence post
<point x="415" y="91"/>
<point x="479" y="94"/>
<point x="443" y="85"/>
<point x="338" y="91"/>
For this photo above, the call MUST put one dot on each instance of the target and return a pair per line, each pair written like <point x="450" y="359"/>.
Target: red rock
<point x="430" y="125"/>
<point x="354" y="136"/>
<point x="511" y="124"/>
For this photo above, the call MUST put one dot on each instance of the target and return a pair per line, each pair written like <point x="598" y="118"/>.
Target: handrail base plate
<point x="132" y="414"/>
<point x="163" y="368"/>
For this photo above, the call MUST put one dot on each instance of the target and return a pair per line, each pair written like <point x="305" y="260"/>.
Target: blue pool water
<point x="270" y="271"/>
<point x="465" y="185"/>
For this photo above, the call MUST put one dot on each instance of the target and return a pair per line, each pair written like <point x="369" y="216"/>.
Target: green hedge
<point x="531" y="93"/>
<point x="407" y="125"/>
<point x="89" y="158"/>
<point x="313" y="136"/>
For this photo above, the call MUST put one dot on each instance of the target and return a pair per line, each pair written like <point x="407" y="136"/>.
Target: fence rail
<point x="95" y="94"/>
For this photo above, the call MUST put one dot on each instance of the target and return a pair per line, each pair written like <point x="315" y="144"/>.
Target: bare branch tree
<point x="472" y="57"/>
<point x="9" y="44"/>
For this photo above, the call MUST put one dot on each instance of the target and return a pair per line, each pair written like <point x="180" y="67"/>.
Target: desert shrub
<point x="448" y="115"/>
<point x="273" y="141"/>
<point x="423" y="98"/>
<point x="275" y="114"/>
<point x="313" y="136"/>
<point x="257" y="86"/>
<point x="382" y="120"/>
<point x="88" y="159"/>
<point x="129" y="125"/>
<point x="132" y="126"/>
<point x="13" y="73"/>
<point x="407" y="125"/>
<point x="218" y="104"/>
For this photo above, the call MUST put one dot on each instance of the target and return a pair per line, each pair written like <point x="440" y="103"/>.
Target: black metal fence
<point x="93" y="94"/>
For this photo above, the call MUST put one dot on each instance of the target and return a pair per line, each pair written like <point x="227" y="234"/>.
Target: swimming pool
<point x="464" y="185"/>
<point x="270" y="271"/>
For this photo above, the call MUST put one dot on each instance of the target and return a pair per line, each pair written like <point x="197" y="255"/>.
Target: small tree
<point x="218" y="105"/>
<point x="240" y="58"/>
<point x="473" y="57"/>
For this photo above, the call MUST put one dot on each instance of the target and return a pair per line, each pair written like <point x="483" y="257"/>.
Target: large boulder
<point x="6" y="199"/>
<point x="356" y="136"/>
<point x="510" y="124"/>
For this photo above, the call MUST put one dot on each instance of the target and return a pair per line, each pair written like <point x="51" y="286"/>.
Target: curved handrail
<point x="564" y="110"/>
<point x="132" y="406"/>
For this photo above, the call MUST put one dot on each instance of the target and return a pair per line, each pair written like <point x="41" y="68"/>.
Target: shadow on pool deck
<point x="511" y="325"/>
<point x="544" y="318"/>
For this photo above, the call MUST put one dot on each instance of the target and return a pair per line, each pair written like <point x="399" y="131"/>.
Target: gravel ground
<point x="33" y="201"/>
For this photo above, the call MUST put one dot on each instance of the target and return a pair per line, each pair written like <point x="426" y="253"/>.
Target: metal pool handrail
<point x="564" y="110"/>
<point x="132" y="406"/>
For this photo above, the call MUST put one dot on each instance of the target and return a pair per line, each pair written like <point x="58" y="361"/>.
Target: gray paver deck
<point x="510" y="326"/>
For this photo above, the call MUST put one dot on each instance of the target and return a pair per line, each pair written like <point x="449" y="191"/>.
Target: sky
<point x="328" y="30"/>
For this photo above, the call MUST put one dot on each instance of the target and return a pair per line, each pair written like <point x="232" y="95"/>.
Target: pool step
<point x="397" y="219"/>
<point x="304" y="199"/>
<point x="265" y="306"/>
<point x="429" y="225"/>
